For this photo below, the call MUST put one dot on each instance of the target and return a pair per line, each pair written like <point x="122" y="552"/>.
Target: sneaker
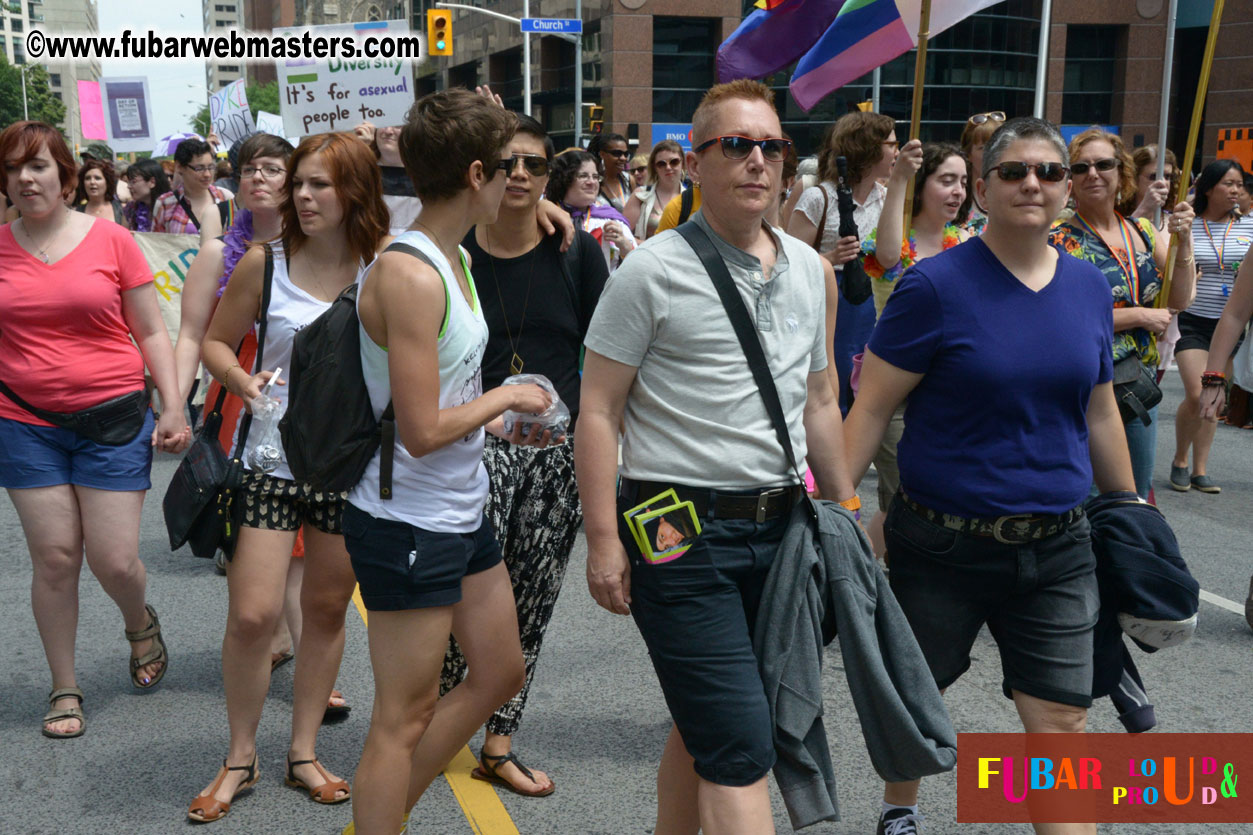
<point x="899" y="822"/>
<point x="1248" y="605"/>
<point x="1179" y="479"/>
<point x="1205" y="484"/>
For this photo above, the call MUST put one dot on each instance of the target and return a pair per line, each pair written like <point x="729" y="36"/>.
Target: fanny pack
<point x="1136" y="389"/>
<point x="115" y="422"/>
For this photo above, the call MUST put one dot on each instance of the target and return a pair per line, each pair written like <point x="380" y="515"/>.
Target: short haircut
<point x="743" y="88"/>
<point x="21" y="142"/>
<point x="1126" y="165"/>
<point x="106" y="170"/>
<point x="564" y="168"/>
<point x="358" y="186"/>
<point x="664" y="145"/>
<point x="638" y="161"/>
<point x="1211" y="175"/>
<point x="1021" y="127"/>
<point x="445" y="133"/>
<point x="979" y="134"/>
<point x="189" y="149"/>
<point x="859" y="138"/>
<point x="224" y="170"/>
<point x="934" y="154"/>
<point x="263" y="145"/>
<point x="531" y="127"/>
<point x="150" y="169"/>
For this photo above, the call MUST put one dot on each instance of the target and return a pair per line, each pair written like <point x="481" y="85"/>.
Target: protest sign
<point x="270" y="123"/>
<point x="229" y="113"/>
<point x="128" y="115"/>
<point x="336" y="94"/>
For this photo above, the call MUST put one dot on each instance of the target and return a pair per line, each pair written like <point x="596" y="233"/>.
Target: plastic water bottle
<point x="266" y="454"/>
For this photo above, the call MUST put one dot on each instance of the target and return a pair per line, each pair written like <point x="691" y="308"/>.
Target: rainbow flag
<point x="867" y="34"/>
<point x="771" y="38"/>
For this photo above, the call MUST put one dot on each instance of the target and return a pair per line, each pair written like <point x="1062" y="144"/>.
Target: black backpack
<point x="329" y="431"/>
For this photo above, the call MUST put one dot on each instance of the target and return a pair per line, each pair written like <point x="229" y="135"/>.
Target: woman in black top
<point x="537" y="302"/>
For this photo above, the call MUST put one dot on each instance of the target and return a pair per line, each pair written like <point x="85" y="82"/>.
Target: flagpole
<point x="915" y="118"/>
<point x="1042" y="60"/>
<point x="1194" y="129"/>
<point x="1172" y="20"/>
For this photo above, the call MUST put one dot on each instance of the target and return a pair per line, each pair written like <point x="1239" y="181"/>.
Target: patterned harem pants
<point x="534" y="508"/>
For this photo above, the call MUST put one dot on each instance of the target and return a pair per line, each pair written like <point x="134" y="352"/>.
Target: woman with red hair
<point x="333" y="221"/>
<point x="97" y="191"/>
<point x="77" y="489"/>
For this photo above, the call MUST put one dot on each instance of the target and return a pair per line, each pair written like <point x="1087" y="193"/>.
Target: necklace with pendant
<point x="515" y="361"/>
<point x="43" y="253"/>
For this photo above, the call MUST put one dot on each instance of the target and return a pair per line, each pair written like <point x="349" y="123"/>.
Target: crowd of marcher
<point x="1023" y="298"/>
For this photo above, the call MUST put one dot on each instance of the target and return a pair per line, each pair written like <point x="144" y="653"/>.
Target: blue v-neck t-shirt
<point x="998" y="424"/>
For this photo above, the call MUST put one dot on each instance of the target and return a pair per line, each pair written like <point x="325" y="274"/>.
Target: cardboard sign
<point x="229" y="114"/>
<point x="128" y="113"/>
<point x="336" y="94"/>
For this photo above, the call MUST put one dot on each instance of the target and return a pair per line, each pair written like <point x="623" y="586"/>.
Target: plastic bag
<point x="266" y="454"/>
<point x="555" y="418"/>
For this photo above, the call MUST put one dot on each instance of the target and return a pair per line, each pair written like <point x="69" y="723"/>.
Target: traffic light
<point x="595" y="118"/>
<point x="439" y="32"/>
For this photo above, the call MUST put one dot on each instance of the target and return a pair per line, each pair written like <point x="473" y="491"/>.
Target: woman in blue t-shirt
<point x="1006" y="428"/>
<point x="1132" y="257"/>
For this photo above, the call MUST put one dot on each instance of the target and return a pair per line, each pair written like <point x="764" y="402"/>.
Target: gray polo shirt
<point x="694" y="415"/>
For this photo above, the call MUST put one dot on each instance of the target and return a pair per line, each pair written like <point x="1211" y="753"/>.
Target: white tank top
<point x="290" y="310"/>
<point x="444" y="490"/>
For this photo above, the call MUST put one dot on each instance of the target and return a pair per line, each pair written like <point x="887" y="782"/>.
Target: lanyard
<point x="1219" y="251"/>
<point x="1130" y="271"/>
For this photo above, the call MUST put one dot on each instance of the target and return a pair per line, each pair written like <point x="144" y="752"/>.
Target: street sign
<point x="552" y="25"/>
<point x="680" y="132"/>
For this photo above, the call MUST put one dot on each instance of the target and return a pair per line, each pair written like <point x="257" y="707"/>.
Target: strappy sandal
<point x="59" y="713"/>
<point x="155" y="654"/>
<point x="206" y="808"/>
<point x="324" y="793"/>
<point x="334" y="713"/>
<point x="489" y="774"/>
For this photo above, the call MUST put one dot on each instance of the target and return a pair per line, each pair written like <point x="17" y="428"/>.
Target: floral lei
<point x="236" y="240"/>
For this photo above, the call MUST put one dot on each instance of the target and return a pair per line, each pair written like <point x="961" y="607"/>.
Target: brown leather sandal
<point x="206" y="808"/>
<point x="324" y="793"/>
<point x="488" y="774"/>
<point x="59" y="713"/>
<point x="155" y="654"/>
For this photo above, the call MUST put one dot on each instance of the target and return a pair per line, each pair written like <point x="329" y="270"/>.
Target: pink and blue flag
<point x="867" y="34"/>
<point x="771" y="38"/>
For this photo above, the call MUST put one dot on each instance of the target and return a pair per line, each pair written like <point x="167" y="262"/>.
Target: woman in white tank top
<point x="426" y="560"/>
<point x="333" y="221"/>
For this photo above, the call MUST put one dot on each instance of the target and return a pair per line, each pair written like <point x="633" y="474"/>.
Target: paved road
<point x="596" y="722"/>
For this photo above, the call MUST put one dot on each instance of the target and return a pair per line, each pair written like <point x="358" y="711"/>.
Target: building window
<point x="54" y="78"/>
<point x="17" y="24"/>
<point x="683" y="65"/>
<point x="229" y="68"/>
<point x="1091" y="59"/>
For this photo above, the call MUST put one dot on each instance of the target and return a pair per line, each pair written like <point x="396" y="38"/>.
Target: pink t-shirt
<point x="64" y="345"/>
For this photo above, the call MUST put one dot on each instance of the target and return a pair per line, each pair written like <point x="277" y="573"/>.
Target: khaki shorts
<point x="885" y="460"/>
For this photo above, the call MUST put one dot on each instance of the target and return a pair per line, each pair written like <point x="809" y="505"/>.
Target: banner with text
<point x="336" y="94"/>
<point x="127" y="113"/>
<point x="169" y="257"/>
<point x="229" y="114"/>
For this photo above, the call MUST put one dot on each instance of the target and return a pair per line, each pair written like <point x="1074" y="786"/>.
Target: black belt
<point x="1016" y="529"/>
<point x="758" y="505"/>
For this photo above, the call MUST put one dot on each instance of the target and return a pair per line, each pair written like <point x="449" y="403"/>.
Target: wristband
<point x="853" y="504"/>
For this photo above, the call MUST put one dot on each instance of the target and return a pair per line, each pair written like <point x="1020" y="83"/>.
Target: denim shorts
<point x="45" y="456"/>
<point x="400" y="566"/>
<point x="696" y="615"/>
<point x="1039" y="600"/>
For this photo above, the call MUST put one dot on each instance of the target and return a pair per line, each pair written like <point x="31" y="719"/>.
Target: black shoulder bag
<point x="1135" y="386"/>
<point x="199" y="503"/>
<point x="745" y="331"/>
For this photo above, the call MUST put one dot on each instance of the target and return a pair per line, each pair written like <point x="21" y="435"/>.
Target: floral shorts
<point x="280" y="504"/>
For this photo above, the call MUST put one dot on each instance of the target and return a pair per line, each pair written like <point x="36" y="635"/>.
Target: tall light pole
<point x="25" y="110"/>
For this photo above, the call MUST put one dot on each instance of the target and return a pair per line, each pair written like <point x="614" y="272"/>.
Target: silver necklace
<point x="43" y="253"/>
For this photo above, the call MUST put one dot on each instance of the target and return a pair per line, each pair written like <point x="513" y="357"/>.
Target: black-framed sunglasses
<point x="1081" y="168"/>
<point x="992" y="116"/>
<point x="622" y="154"/>
<point x="1047" y="172"/>
<point x="534" y="165"/>
<point x="739" y="147"/>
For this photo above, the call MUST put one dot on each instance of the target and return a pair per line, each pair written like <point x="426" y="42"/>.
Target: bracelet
<point x="1213" y="379"/>
<point x="227" y="373"/>
<point x="853" y="503"/>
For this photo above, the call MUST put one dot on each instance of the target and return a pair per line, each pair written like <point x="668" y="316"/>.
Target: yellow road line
<point x="479" y="801"/>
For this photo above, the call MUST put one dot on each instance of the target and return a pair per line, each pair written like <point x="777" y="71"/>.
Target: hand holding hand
<point x="171" y="434"/>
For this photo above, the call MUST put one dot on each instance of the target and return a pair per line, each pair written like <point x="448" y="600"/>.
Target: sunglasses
<point x="619" y="154"/>
<point x="535" y="166"/>
<point x="993" y="116"/>
<point x="739" y="147"/>
<point x="1081" y="168"/>
<point x="673" y="164"/>
<point x="1047" y="172"/>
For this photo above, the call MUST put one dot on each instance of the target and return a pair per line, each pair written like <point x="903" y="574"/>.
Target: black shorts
<point x="1039" y="600"/>
<point x="400" y="566"/>
<point x="280" y="504"/>
<point x="1195" y="332"/>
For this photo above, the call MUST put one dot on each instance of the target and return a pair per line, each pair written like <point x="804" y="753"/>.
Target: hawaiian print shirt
<point x="884" y="280"/>
<point x="1075" y="239"/>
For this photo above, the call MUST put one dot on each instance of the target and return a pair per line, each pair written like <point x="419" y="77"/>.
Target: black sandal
<point x="155" y="654"/>
<point x="488" y="774"/>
